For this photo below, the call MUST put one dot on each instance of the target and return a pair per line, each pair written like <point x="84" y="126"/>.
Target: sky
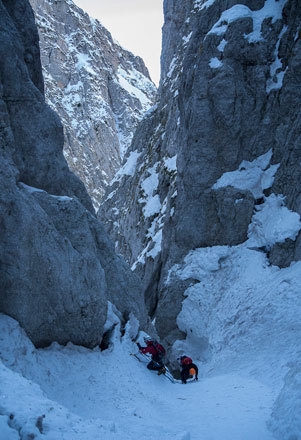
<point x="135" y="24"/>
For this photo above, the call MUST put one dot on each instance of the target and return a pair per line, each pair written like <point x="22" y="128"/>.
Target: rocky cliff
<point x="99" y="90"/>
<point x="222" y="144"/>
<point x="58" y="269"/>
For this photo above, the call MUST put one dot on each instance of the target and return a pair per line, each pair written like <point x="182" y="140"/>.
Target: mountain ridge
<point x="99" y="90"/>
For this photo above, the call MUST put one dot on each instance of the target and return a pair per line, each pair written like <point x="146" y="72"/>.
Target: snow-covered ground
<point x="249" y="385"/>
<point x="246" y="311"/>
<point x="70" y="393"/>
<point x="242" y="318"/>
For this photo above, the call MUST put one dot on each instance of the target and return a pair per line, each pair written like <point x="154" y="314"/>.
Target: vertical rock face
<point x="99" y="90"/>
<point x="58" y="268"/>
<point x="228" y="103"/>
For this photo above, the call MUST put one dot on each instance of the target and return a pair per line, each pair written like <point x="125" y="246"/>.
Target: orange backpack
<point x="192" y="372"/>
<point x="186" y="360"/>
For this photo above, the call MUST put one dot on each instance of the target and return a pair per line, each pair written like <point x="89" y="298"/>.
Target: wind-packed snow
<point x="83" y="61"/>
<point x="276" y="71"/>
<point x="135" y="84"/>
<point x="255" y="176"/>
<point x="271" y="9"/>
<point x="32" y="190"/>
<point x="222" y="45"/>
<point x="244" y="314"/>
<point x="241" y="317"/>
<point x="70" y="393"/>
<point x="156" y="249"/>
<point x="172" y="67"/>
<point x="203" y="4"/>
<point x="273" y="222"/>
<point x="150" y="200"/>
<point x="129" y="167"/>
<point x="153" y="208"/>
<point x="154" y="232"/>
<point x="215" y="63"/>
<point x="187" y="38"/>
<point x="153" y="205"/>
<point x="171" y="163"/>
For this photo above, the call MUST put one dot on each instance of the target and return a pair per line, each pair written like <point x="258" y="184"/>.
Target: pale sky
<point x="135" y="24"/>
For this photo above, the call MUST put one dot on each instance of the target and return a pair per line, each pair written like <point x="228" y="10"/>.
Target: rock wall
<point x="99" y="90"/>
<point x="58" y="269"/>
<point x="228" y="100"/>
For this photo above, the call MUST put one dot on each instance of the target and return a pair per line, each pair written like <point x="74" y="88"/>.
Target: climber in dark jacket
<point x="156" y="352"/>
<point x="188" y="369"/>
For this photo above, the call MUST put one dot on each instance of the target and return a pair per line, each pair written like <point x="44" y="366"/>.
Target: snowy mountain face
<point x="220" y="151"/>
<point x="58" y="267"/>
<point x="99" y="90"/>
<point x="206" y="207"/>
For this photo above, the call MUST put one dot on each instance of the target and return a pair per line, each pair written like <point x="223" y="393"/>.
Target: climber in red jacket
<point x="157" y="353"/>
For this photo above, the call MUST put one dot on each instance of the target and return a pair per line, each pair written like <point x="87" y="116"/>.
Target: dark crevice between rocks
<point x="106" y="341"/>
<point x="124" y="320"/>
<point x="151" y="294"/>
<point x="106" y="338"/>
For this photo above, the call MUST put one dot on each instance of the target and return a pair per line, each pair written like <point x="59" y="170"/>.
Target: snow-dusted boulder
<point x="58" y="268"/>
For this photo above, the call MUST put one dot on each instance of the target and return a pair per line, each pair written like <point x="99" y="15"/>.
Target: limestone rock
<point x="228" y="100"/>
<point x="58" y="268"/>
<point x="99" y="90"/>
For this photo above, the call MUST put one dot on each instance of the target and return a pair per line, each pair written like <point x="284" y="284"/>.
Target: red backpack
<point x="160" y="349"/>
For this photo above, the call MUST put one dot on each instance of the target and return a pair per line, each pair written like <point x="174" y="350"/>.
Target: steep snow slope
<point x="249" y="383"/>
<point x="206" y="207"/>
<point x="71" y="393"/>
<point x="99" y="90"/>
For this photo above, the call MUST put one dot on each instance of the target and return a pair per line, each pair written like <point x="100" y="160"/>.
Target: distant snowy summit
<point x="100" y="90"/>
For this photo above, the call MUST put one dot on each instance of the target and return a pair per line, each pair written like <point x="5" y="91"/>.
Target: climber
<point x="157" y="352"/>
<point x="188" y="369"/>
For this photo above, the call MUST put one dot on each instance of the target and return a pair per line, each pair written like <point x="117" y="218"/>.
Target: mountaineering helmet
<point x="186" y="360"/>
<point x="148" y="340"/>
